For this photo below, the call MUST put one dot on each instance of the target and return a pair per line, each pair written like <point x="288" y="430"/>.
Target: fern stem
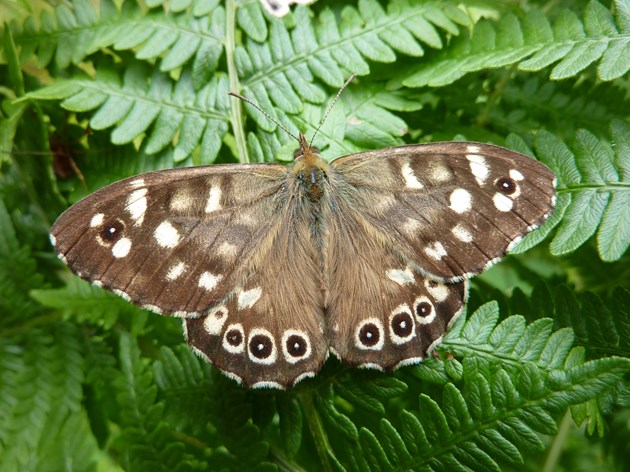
<point x="236" y="116"/>
<point x="316" y="428"/>
<point x="558" y="443"/>
<point x="484" y="116"/>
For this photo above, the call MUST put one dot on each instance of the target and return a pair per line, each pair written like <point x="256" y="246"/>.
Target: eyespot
<point x="424" y="310"/>
<point x="261" y="347"/>
<point x="401" y="325"/>
<point x="111" y="231"/>
<point x="506" y="185"/>
<point x="369" y="334"/>
<point x="234" y="339"/>
<point x="295" y="345"/>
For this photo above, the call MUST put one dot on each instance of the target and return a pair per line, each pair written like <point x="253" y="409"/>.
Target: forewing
<point x="175" y="241"/>
<point x="451" y="208"/>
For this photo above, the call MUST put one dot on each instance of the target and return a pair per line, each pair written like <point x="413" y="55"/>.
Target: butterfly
<point x="274" y="267"/>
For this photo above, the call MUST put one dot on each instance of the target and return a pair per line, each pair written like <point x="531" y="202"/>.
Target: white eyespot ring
<point x="370" y="335"/>
<point x="402" y="328"/>
<point x="424" y="310"/>
<point x="296" y="345"/>
<point x="261" y="347"/>
<point x="234" y="339"/>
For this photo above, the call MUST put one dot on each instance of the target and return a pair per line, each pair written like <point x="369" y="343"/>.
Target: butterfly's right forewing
<point x="175" y="241"/>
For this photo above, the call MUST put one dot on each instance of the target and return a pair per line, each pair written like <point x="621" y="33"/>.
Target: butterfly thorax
<point x="310" y="170"/>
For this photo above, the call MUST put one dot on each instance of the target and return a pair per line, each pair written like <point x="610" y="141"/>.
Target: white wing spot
<point x="478" y="167"/>
<point x="516" y="175"/>
<point x="460" y="200"/>
<point x="401" y="277"/>
<point x="303" y="376"/>
<point x="437" y="290"/>
<point x="181" y="201"/>
<point x="411" y="181"/>
<point x="462" y="234"/>
<point x="137" y="183"/>
<point x="122" y="294"/>
<point x="175" y="271"/>
<point x="436" y="251"/>
<point x="53" y="240"/>
<point x="246" y="299"/>
<point x="166" y="235"/>
<point x="208" y="281"/>
<point x="121" y="248"/>
<point x="473" y="149"/>
<point x="137" y="205"/>
<point x="412" y="226"/>
<point x="97" y="220"/>
<point x="502" y="203"/>
<point x="516" y="240"/>
<point x="215" y="320"/>
<point x="227" y="250"/>
<point x="214" y="200"/>
<point x="267" y="384"/>
<point x="439" y="173"/>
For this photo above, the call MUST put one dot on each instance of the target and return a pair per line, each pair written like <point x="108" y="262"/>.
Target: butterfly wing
<point x="406" y="227"/>
<point x="270" y="332"/>
<point x="175" y="241"/>
<point x="452" y="209"/>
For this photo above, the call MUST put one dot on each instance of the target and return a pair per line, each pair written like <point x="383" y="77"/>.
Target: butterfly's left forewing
<point x="452" y="209"/>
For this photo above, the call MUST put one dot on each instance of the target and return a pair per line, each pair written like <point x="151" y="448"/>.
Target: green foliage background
<point x="534" y="378"/>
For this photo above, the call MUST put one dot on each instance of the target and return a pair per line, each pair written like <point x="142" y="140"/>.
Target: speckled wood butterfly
<point x="273" y="267"/>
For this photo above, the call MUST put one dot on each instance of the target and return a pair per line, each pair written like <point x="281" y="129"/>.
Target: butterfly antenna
<point x="267" y="115"/>
<point x="343" y="87"/>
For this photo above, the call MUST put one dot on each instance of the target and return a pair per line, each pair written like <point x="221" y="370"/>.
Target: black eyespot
<point x="296" y="345"/>
<point x="112" y="230"/>
<point x="369" y="334"/>
<point x="234" y="337"/>
<point x="402" y="324"/>
<point x="506" y="185"/>
<point x="260" y="346"/>
<point x="423" y="309"/>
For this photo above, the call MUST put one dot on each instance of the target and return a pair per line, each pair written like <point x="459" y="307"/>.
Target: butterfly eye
<point x="297" y="154"/>
<point x="506" y="185"/>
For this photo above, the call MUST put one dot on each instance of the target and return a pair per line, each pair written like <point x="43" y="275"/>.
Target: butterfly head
<point x="309" y="168"/>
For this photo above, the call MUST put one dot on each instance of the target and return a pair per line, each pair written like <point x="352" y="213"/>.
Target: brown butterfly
<point x="273" y="267"/>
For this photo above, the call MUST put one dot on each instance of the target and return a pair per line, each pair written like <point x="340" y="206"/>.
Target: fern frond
<point x="534" y="44"/>
<point x="42" y="423"/>
<point x="71" y="32"/>
<point x="141" y="103"/>
<point x="593" y="184"/>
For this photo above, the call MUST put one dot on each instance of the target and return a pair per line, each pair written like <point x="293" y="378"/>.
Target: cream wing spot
<point x="227" y="250"/>
<point x="208" y="281"/>
<point x="122" y="294"/>
<point x="437" y="290"/>
<point x="411" y="181"/>
<point x="439" y="173"/>
<point x="502" y="203"/>
<point x="137" y="205"/>
<point x="175" y="271"/>
<point x="412" y="226"/>
<point x="400" y="276"/>
<point x="516" y="175"/>
<point x="461" y="233"/>
<point x="213" y="324"/>
<point x="436" y="251"/>
<point x="247" y="298"/>
<point x="473" y="149"/>
<point x="478" y="167"/>
<point x="166" y="235"/>
<point x="137" y="183"/>
<point x="121" y="248"/>
<point x="268" y="384"/>
<point x="460" y="200"/>
<point x="214" y="200"/>
<point x="97" y="220"/>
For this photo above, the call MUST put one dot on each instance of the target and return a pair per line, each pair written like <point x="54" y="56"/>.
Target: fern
<point x="88" y="380"/>
<point x="534" y="44"/>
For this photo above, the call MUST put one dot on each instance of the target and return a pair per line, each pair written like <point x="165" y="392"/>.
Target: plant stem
<point x="558" y="443"/>
<point x="236" y="117"/>
<point x="316" y="428"/>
